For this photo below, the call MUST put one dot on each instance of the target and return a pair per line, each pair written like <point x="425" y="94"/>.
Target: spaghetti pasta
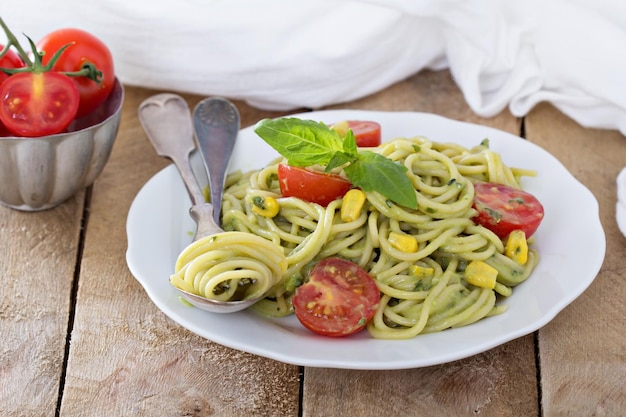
<point x="423" y="290"/>
<point x="229" y="266"/>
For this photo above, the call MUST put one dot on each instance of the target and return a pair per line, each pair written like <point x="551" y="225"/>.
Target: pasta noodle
<point x="229" y="266"/>
<point x="421" y="291"/>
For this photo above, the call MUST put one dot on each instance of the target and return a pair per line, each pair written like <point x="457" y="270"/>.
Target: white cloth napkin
<point x="309" y="53"/>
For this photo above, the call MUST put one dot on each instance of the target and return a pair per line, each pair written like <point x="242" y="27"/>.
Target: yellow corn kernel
<point x="265" y="206"/>
<point x="481" y="274"/>
<point x="341" y="127"/>
<point x="516" y="247"/>
<point x="352" y="205"/>
<point x="402" y="242"/>
<point x="421" y="271"/>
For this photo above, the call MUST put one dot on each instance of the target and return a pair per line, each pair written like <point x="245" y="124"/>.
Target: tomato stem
<point x="88" y="70"/>
<point x="36" y="66"/>
<point x="12" y="41"/>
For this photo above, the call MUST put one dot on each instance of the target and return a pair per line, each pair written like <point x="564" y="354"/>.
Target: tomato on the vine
<point x="38" y="104"/>
<point x="339" y="298"/>
<point x="9" y="60"/>
<point x="67" y="75"/>
<point x="84" y="49"/>
<point x="503" y="209"/>
<point x="311" y="186"/>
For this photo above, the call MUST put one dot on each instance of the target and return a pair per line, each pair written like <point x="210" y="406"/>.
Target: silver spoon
<point x="216" y="126"/>
<point x="167" y="122"/>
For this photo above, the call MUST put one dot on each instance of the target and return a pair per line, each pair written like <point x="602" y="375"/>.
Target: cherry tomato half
<point x="38" y="104"/>
<point x="338" y="300"/>
<point x="366" y="133"/>
<point x="85" y="48"/>
<point x="311" y="186"/>
<point x="503" y="209"/>
<point x="10" y="60"/>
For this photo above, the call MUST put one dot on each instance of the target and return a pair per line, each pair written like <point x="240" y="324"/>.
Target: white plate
<point x="570" y="241"/>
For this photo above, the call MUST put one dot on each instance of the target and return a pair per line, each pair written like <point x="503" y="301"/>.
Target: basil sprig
<point x="306" y="142"/>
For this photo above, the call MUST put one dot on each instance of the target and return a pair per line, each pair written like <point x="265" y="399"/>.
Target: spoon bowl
<point x="167" y="121"/>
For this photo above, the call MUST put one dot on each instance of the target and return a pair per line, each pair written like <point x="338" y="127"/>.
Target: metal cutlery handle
<point x="216" y="125"/>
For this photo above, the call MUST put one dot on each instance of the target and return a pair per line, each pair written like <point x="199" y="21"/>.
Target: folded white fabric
<point x="284" y="55"/>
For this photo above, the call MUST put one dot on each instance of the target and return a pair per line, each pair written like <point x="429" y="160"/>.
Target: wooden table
<point x="79" y="336"/>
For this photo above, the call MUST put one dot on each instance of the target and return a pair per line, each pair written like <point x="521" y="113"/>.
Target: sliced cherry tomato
<point x="503" y="209"/>
<point x="10" y="60"/>
<point x="311" y="186"/>
<point x="85" y="49"/>
<point x="38" y="104"/>
<point x="338" y="300"/>
<point x="366" y="133"/>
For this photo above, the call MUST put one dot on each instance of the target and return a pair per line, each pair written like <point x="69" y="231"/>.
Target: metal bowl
<point x="41" y="173"/>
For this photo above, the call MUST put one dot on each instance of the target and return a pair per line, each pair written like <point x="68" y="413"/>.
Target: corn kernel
<point x="341" y="127"/>
<point x="265" y="206"/>
<point x="421" y="271"/>
<point x="352" y="205"/>
<point x="516" y="247"/>
<point x="481" y="274"/>
<point x="403" y="242"/>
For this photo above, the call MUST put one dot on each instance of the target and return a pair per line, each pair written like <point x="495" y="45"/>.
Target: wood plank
<point x="500" y="382"/>
<point x="128" y="358"/>
<point x="38" y="254"/>
<point x="583" y="360"/>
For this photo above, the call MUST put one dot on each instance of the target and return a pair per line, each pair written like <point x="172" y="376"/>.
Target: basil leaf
<point x="349" y="144"/>
<point x="302" y="142"/>
<point x="374" y="172"/>
<point x="339" y="159"/>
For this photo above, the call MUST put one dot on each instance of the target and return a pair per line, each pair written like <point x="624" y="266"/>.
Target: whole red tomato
<point x="10" y="60"/>
<point x="85" y="49"/>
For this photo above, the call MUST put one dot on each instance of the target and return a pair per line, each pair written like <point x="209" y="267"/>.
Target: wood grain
<point x="38" y="253"/>
<point x="583" y="351"/>
<point x="128" y="358"/>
